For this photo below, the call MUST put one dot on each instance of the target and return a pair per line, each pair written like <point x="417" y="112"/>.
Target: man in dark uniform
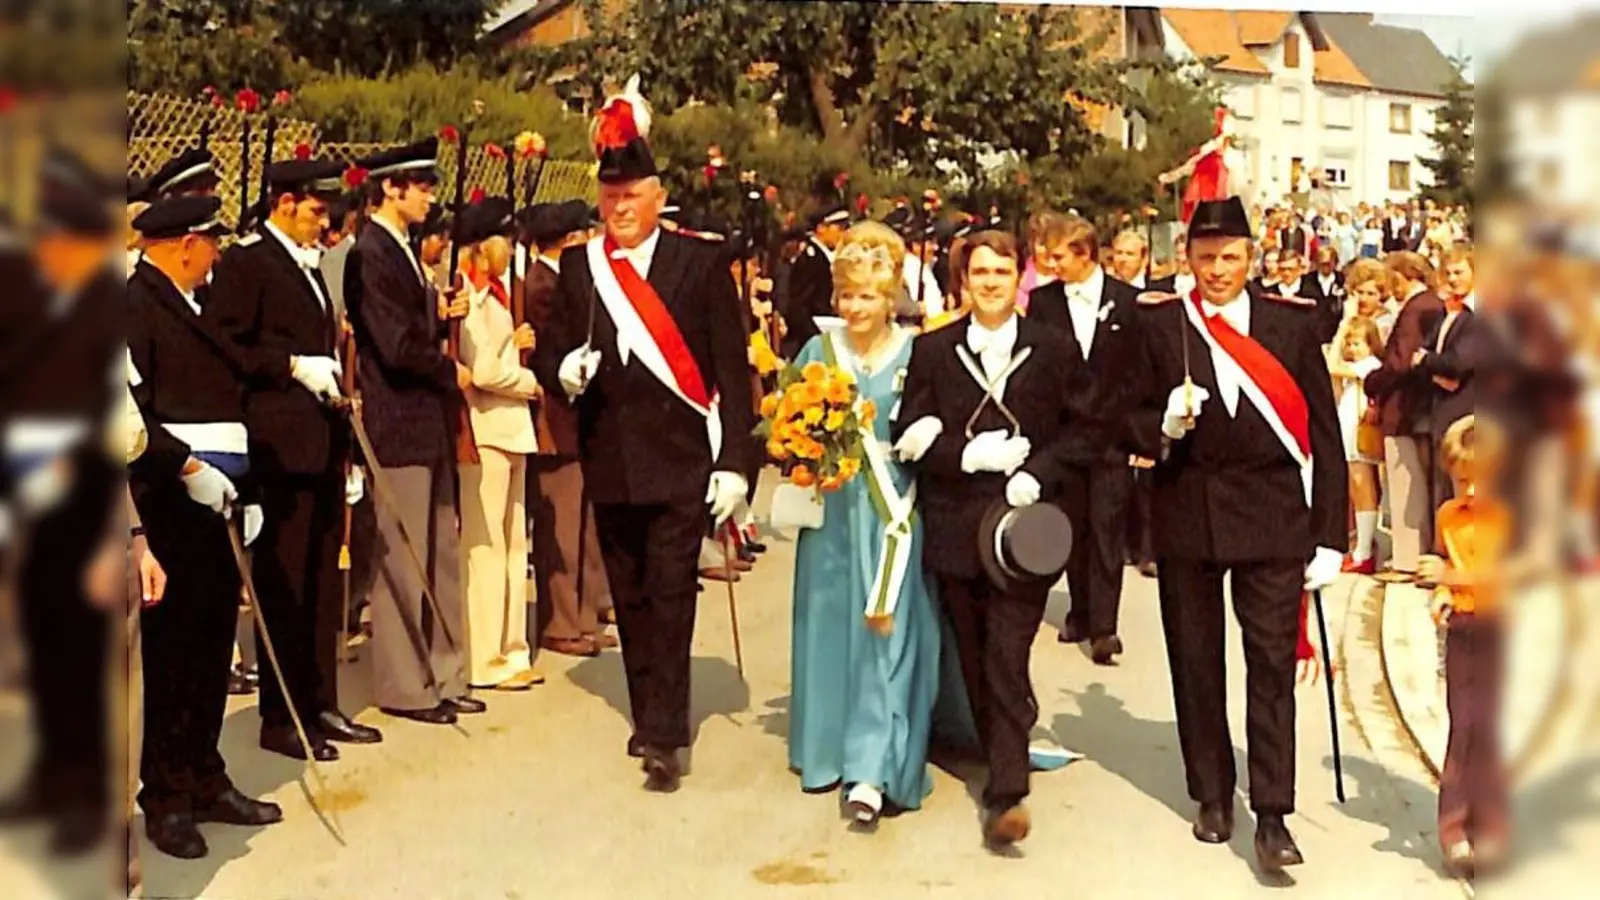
<point x="1096" y="314"/>
<point x="644" y="333"/>
<point x="1251" y="486"/>
<point x="810" y="287"/>
<point x="189" y="385"/>
<point x="1325" y="284"/>
<point x="269" y="298"/>
<point x="1026" y="386"/>
<point x="193" y="171"/>
<point x="410" y="391"/>
<point x="64" y="341"/>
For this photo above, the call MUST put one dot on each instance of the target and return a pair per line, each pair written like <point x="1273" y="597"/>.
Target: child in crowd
<point x="1358" y="351"/>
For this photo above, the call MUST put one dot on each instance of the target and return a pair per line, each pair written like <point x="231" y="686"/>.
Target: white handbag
<point x="796" y="507"/>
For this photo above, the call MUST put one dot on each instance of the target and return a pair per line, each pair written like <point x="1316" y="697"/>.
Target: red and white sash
<point x="1265" y="381"/>
<point x="646" y="328"/>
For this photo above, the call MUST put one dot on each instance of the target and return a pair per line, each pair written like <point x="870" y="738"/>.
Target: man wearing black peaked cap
<point x="187" y="381"/>
<point x="644" y="336"/>
<point x="268" y="296"/>
<point x="409" y="391"/>
<point x="193" y="171"/>
<point x="809" y="291"/>
<point x="1250" y="485"/>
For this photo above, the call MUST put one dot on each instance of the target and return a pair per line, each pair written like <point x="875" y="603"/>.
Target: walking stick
<point x="324" y="810"/>
<point x="345" y="567"/>
<point x="1333" y="710"/>
<point x="733" y="607"/>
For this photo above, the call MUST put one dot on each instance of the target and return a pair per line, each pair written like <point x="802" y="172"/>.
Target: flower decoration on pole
<point x="302" y="151"/>
<point x="247" y="101"/>
<point x="814" y="424"/>
<point x="715" y="163"/>
<point x="529" y="144"/>
<point x="863" y="202"/>
<point x="477" y="195"/>
<point x="494" y="151"/>
<point x="770" y="194"/>
<point x="282" y="98"/>
<point x="840" y="180"/>
<point x="449" y="135"/>
<point x="355" y="177"/>
<point x="931" y="200"/>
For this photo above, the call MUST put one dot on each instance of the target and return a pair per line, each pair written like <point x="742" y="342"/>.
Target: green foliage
<point x="1452" y="137"/>
<point x="371" y="37"/>
<point x="417" y="102"/>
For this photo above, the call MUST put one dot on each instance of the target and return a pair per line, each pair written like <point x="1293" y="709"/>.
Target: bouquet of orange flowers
<point x="814" y="423"/>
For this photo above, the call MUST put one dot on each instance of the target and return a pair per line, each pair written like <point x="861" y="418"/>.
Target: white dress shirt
<point x="932" y="297"/>
<point x="1083" y="305"/>
<point x="1229" y="376"/>
<point x="309" y="259"/>
<point x="1183" y="283"/>
<point x="639" y="257"/>
<point x="405" y="244"/>
<point x="1327" y="283"/>
<point x="993" y="348"/>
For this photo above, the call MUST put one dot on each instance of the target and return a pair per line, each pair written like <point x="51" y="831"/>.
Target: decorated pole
<point x="247" y="102"/>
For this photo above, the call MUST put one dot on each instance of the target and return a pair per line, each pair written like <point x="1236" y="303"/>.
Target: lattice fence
<point x="160" y="127"/>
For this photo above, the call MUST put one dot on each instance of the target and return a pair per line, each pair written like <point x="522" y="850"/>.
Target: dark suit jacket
<point x="1457" y="362"/>
<point x="1229" y="491"/>
<point x="1044" y="394"/>
<point x="639" y="443"/>
<point x="1402" y="395"/>
<point x="408" y="385"/>
<point x="1330" y="303"/>
<point x="555" y="414"/>
<point x="1115" y="345"/>
<point x="809" y="294"/>
<point x="260" y="299"/>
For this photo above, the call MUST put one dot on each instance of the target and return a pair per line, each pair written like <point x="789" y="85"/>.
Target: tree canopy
<point x="1453" y="163"/>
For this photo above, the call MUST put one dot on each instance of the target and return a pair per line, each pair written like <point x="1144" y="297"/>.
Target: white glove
<point x="578" y="369"/>
<point x="355" y="486"/>
<point x="916" y="441"/>
<point x="252" y="523"/>
<point x="209" y="487"/>
<point x="992" y="451"/>
<point x="725" y="492"/>
<point x="44" y="486"/>
<point x="1172" y="422"/>
<point x="1324" y="568"/>
<point x="1023" y="490"/>
<point x="319" y="374"/>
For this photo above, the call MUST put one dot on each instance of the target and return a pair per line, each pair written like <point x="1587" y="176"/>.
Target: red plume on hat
<point x="624" y="118"/>
<point x="302" y="152"/>
<point x="494" y="151"/>
<point x="247" y="100"/>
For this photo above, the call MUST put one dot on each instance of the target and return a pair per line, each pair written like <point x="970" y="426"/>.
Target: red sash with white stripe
<point x="663" y="330"/>
<point x="1261" y="367"/>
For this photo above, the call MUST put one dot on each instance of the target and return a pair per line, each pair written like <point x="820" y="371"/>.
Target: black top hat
<point x="419" y="160"/>
<point x="318" y="178"/>
<point x="72" y="196"/>
<point x="483" y="220"/>
<point x="621" y="137"/>
<point x="192" y="170"/>
<point x="1220" y="218"/>
<point x="1023" y="546"/>
<point x="438" y="221"/>
<point x="180" y="216"/>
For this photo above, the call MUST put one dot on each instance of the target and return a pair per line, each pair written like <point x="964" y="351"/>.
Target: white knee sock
<point x="1366" y="528"/>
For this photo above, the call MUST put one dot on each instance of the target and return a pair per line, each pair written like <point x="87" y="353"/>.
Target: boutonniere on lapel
<point x="1105" y="311"/>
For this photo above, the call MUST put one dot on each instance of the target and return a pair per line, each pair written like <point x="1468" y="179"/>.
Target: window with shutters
<point x="1291" y="51"/>
<point x="1338" y="112"/>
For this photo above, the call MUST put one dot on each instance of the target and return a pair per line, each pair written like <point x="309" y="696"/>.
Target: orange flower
<point x="801" y="476"/>
<point x="777" y="450"/>
<point x="806" y="448"/>
<point x="804" y="394"/>
<point x="834" y="421"/>
<point x="812" y="415"/>
<point x="869" y="411"/>
<point x="769" y="405"/>
<point x="839" y="392"/>
<point x="814" y="372"/>
<point x="848" y="468"/>
<point x="832" y="483"/>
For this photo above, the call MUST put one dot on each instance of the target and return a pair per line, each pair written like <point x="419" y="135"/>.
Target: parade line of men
<point x="234" y="361"/>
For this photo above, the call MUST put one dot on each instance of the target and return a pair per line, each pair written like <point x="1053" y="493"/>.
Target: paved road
<point x="536" y="799"/>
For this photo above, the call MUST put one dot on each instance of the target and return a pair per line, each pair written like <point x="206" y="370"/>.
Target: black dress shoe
<point x="635" y="748"/>
<point x="336" y="726"/>
<point x="443" y="714"/>
<point x="240" y="684"/>
<point x="233" y="808"/>
<point x="1147" y="569"/>
<point x="467" y="705"/>
<point x="285" y="742"/>
<point x="746" y="554"/>
<point x="1214" y="823"/>
<point x="1073" y="633"/>
<point x="1275" y="847"/>
<point x="1101" y="649"/>
<point x="175" y="834"/>
<point x="755" y="547"/>
<point x="661" y="769"/>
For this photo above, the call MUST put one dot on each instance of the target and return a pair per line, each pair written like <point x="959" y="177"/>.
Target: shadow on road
<point x="715" y="688"/>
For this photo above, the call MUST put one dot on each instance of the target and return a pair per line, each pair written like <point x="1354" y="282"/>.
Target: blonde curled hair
<point x="870" y="256"/>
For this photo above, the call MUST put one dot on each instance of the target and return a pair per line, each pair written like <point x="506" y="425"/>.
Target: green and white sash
<point x="896" y="512"/>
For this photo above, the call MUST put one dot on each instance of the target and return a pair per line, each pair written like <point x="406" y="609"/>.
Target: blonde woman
<point x="494" y="531"/>
<point x="865" y="662"/>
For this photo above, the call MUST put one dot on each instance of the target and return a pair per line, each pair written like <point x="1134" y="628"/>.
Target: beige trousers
<point x="1406" y="461"/>
<point x="494" y="565"/>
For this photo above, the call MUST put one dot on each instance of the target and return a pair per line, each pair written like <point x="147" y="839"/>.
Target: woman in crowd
<point x="866" y="638"/>
<point x="494" y="535"/>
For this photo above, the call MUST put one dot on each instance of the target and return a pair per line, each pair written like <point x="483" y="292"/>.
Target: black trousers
<point x="296" y="568"/>
<point x="1266" y="600"/>
<point x="1474" y="803"/>
<point x="188" y="650"/>
<point x="651" y="555"/>
<point x="994" y="633"/>
<point x="67" y="641"/>
<point x="1140" y="546"/>
<point x="1096" y="501"/>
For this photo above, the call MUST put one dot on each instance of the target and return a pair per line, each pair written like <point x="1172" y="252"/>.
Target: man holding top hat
<point x="269" y="297"/>
<point x="644" y="334"/>
<point x="409" y="390"/>
<point x="1236" y="404"/>
<point x="985" y="415"/>
<point x="186" y="378"/>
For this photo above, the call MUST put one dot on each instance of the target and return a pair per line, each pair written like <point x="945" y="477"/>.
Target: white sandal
<point x="866" y="802"/>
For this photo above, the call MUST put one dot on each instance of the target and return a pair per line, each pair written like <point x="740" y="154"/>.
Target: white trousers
<point x="494" y="565"/>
